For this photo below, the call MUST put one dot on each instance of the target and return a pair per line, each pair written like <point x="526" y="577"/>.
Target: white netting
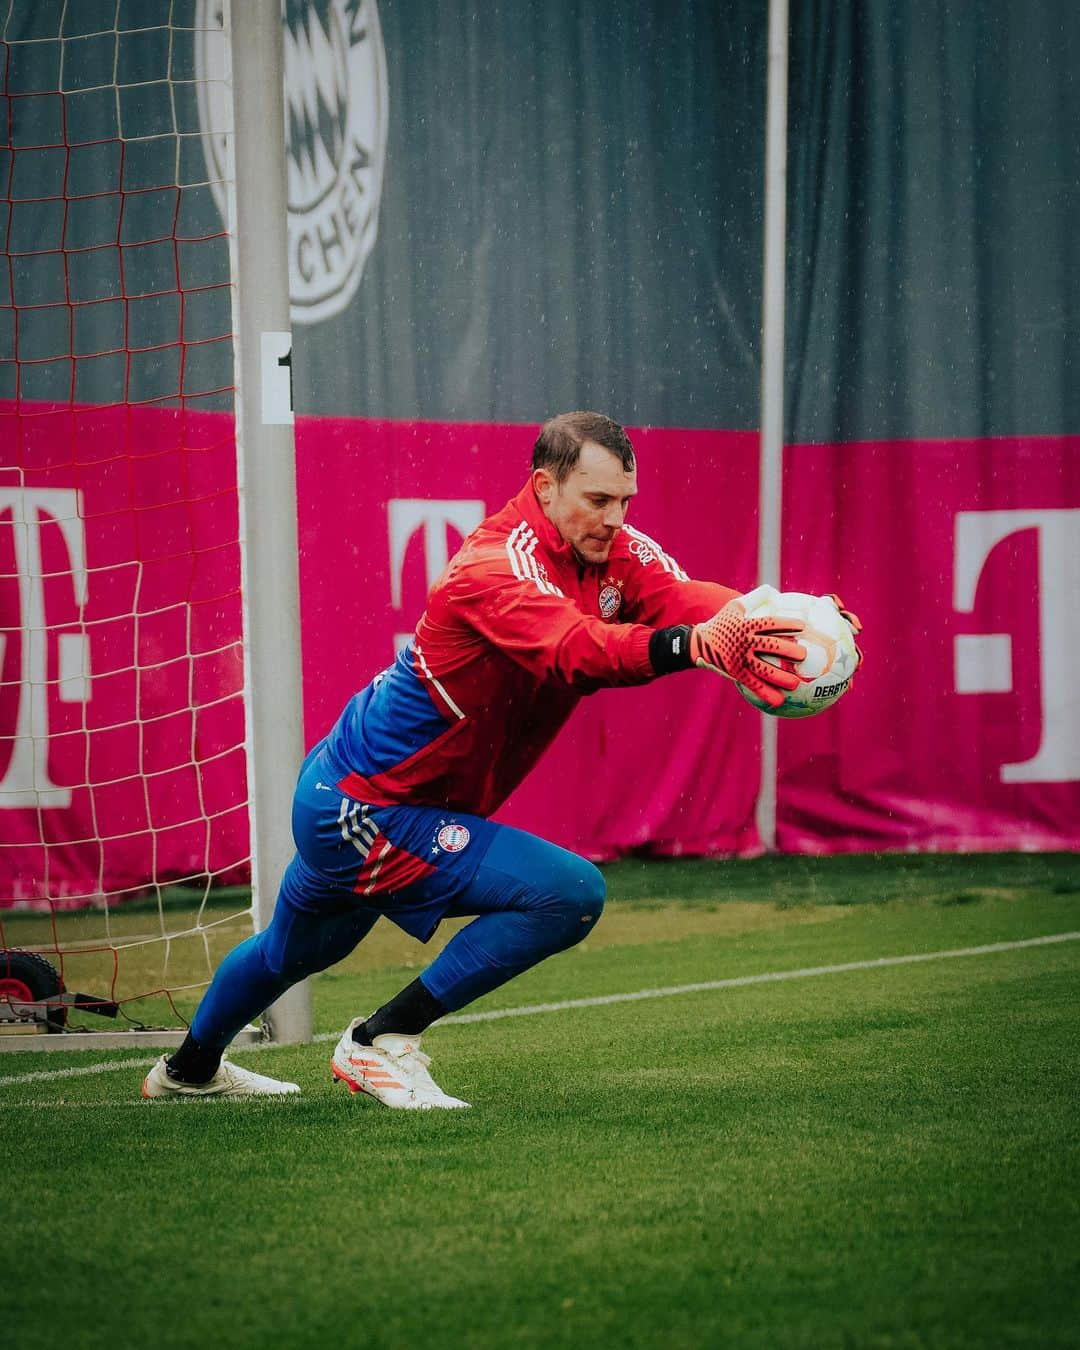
<point x="123" y="800"/>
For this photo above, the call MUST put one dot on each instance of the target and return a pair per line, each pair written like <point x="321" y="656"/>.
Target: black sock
<point x="192" y="1062"/>
<point x="407" y="1014"/>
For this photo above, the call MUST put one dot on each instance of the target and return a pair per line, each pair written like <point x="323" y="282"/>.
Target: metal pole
<point x="772" y="367"/>
<point x="266" y="464"/>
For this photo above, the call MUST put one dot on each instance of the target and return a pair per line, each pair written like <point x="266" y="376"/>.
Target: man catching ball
<point x="552" y="597"/>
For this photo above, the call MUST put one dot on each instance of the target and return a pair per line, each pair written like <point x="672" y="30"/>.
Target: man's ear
<point x="544" y="486"/>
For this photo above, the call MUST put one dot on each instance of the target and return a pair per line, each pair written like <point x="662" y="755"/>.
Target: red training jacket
<point x="515" y="631"/>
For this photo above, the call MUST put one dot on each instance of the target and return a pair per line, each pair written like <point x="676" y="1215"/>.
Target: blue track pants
<point x="531" y="899"/>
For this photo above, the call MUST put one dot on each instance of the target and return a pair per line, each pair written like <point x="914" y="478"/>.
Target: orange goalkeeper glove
<point x="853" y="622"/>
<point x="732" y="644"/>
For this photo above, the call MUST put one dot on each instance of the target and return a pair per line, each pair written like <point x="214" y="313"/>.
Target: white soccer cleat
<point x="229" y="1081"/>
<point x="393" y="1071"/>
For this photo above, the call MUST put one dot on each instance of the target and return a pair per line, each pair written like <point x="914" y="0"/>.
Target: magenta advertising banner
<point x="963" y="731"/>
<point x="672" y="768"/>
<point x="121" y="717"/>
<point x="121" y="708"/>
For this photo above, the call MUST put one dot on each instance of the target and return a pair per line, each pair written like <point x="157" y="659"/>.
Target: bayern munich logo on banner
<point x="453" y="838"/>
<point x="335" y="140"/>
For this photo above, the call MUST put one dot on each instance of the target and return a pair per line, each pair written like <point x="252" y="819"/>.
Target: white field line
<point x="669" y="991"/>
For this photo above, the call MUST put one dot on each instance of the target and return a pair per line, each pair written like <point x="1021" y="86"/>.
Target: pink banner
<point x="121" y="713"/>
<point x="963" y="731"/>
<point x="121" y="721"/>
<point x="672" y="768"/>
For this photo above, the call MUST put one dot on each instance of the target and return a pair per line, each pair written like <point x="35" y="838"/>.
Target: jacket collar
<point x="552" y="541"/>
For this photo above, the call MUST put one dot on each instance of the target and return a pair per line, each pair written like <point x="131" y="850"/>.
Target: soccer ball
<point x="826" y="671"/>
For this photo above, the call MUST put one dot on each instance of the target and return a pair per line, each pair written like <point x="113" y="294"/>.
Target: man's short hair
<point x="558" y="447"/>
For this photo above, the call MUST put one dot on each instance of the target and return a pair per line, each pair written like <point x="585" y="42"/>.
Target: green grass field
<point x="875" y="1157"/>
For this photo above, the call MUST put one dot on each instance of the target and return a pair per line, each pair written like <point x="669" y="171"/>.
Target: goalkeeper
<point x="551" y="598"/>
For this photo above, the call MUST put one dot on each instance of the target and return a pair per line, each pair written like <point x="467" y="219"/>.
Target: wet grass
<point x="879" y="1157"/>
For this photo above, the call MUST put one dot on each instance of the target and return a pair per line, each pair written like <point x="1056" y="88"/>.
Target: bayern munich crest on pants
<point x="453" y="838"/>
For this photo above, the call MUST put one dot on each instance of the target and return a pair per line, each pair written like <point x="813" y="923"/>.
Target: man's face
<point x="589" y="507"/>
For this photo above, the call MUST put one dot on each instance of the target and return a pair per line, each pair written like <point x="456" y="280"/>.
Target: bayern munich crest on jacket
<point x="515" y="631"/>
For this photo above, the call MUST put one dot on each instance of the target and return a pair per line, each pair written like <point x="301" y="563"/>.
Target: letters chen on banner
<point x="335" y="138"/>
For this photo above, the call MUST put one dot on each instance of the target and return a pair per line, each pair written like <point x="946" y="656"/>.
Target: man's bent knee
<point x="582" y="903"/>
<point x="591" y="892"/>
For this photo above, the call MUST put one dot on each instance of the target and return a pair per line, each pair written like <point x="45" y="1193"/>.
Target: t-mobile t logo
<point x="984" y="660"/>
<point x="25" y="781"/>
<point x="406" y="515"/>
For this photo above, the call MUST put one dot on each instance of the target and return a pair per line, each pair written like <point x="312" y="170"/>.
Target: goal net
<point x="124" y="834"/>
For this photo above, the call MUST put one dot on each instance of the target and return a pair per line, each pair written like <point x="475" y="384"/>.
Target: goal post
<point x="264" y="429"/>
<point x="150" y="699"/>
<point x="771" y="440"/>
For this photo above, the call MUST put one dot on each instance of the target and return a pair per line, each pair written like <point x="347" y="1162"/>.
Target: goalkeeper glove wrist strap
<point x="669" y="649"/>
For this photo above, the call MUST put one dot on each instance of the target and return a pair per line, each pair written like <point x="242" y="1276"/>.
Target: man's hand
<point x="853" y="619"/>
<point x="854" y="623"/>
<point x="732" y="644"/>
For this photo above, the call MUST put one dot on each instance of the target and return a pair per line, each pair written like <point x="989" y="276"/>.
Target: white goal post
<point x="270" y="583"/>
<point x="151" y="711"/>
